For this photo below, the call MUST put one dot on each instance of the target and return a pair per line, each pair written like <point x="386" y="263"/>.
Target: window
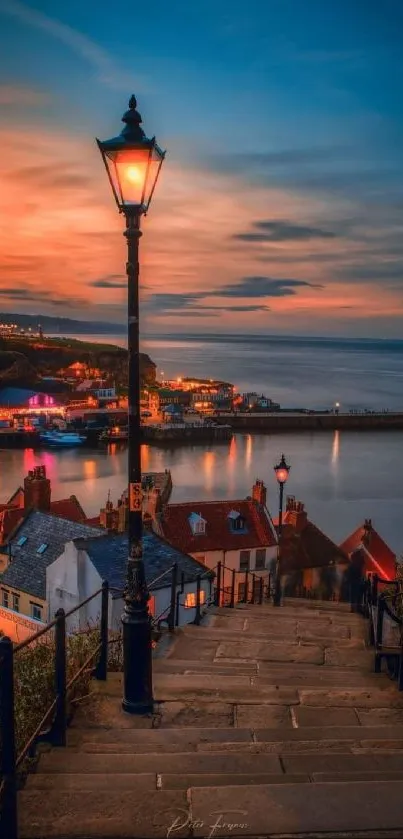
<point x="22" y="541"/>
<point x="190" y="599"/>
<point x="260" y="562"/>
<point x="237" y="522"/>
<point x="16" y="602"/>
<point x="36" y="611"/>
<point x="244" y="560"/>
<point x="6" y="599"/>
<point x="42" y="548"/>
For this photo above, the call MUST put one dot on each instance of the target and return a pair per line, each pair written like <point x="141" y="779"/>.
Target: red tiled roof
<point x="94" y="522"/>
<point x="9" y="518"/>
<point x="176" y="528"/>
<point x="68" y="508"/>
<point x="380" y="558"/>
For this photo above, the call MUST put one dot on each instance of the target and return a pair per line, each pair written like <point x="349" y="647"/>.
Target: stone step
<point x="170" y="665"/>
<point x="330" y="809"/>
<point x="70" y="762"/>
<point x="324" y="635"/>
<point x="158" y="737"/>
<point x="90" y="813"/>
<point x="204" y="688"/>
<point x="310" y="764"/>
<point x="151" y="782"/>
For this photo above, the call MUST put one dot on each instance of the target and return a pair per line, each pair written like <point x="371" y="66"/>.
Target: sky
<point x="279" y="207"/>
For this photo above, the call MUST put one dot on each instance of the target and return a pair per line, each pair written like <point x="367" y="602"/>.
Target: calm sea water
<point x="343" y="477"/>
<point x="296" y="372"/>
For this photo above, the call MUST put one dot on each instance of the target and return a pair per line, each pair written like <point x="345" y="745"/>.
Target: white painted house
<point x="240" y="534"/>
<point x="80" y="570"/>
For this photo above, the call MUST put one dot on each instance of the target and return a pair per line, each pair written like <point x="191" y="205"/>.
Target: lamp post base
<point x="137" y="661"/>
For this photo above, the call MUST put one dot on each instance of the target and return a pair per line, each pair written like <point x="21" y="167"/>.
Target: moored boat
<point x="62" y="438"/>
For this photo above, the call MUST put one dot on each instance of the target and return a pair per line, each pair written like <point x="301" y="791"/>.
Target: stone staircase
<point x="268" y="722"/>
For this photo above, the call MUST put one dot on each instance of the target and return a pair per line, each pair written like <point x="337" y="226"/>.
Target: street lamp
<point x="282" y="471"/>
<point x="133" y="163"/>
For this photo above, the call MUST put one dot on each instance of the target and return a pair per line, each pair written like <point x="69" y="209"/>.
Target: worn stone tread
<point x="292" y="809"/>
<point x="72" y="762"/>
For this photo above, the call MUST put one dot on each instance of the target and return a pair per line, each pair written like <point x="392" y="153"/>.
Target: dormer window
<point x="236" y="521"/>
<point x="197" y="524"/>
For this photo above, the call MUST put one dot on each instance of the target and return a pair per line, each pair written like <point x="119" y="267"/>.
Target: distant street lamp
<point x="336" y="407"/>
<point x="282" y="471"/>
<point x="133" y="163"/>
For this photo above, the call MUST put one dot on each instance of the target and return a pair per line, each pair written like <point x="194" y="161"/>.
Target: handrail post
<point x="232" y="604"/>
<point x="58" y="733"/>
<point x="102" y="666"/>
<point x="261" y="591"/>
<point x="379" y="632"/>
<point x="269" y="586"/>
<point x="374" y="594"/>
<point x="218" y="586"/>
<point x="171" y="617"/>
<point x="245" y="600"/>
<point x="8" y="752"/>
<point x="252" y="597"/>
<point x="198" y="588"/>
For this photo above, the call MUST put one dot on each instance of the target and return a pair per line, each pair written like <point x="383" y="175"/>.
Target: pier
<point x="281" y="421"/>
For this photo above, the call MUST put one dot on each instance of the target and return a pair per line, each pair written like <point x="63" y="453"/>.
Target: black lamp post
<point x="282" y="471"/>
<point x="133" y="163"/>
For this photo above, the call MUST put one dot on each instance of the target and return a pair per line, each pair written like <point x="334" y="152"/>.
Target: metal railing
<point x="381" y="602"/>
<point x="55" y="716"/>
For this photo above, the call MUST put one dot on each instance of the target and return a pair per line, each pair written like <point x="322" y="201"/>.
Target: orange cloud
<point x="61" y="243"/>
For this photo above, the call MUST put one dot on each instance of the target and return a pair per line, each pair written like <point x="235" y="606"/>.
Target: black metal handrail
<point x="57" y="711"/>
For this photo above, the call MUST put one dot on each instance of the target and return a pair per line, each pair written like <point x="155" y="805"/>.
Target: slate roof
<point x="27" y="571"/>
<point x="66" y="508"/>
<point x="219" y="534"/>
<point x="109" y="556"/>
<point x="380" y="559"/>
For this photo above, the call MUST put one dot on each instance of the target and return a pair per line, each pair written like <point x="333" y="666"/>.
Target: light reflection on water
<point x="342" y="477"/>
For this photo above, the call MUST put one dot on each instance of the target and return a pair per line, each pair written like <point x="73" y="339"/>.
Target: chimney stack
<point x="296" y="514"/>
<point x="259" y="493"/>
<point x="37" y="490"/>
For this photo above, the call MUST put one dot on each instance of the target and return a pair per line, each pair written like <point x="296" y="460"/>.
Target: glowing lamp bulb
<point x="134" y="175"/>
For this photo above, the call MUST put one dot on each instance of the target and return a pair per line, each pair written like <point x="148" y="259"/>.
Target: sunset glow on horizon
<point x="279" y="206"/>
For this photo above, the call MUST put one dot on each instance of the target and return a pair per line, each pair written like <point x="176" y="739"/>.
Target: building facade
<point x="239" y="534"/>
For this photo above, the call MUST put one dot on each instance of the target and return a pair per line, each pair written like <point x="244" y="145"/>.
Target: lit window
<point x="190" y="599"/>
<point x="244" y="560"/>
<point x="42" y="548"/>
<point x="6" y="599"/>
<point x="260" y="562"/>
<point x="36" y="612"/>
<point x="22" y="541"/>
<point x="16" y="602"/>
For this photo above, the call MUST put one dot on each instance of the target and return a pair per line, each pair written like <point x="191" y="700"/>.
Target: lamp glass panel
<point x="128" y="171"/>
<point x="153" y="170"/>
<point x="282" y="475"/>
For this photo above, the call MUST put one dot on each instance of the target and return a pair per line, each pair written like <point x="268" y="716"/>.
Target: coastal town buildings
<point x="240" y="534"/>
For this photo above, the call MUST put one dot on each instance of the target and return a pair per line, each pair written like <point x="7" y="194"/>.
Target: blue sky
<point x="280" y="205"/>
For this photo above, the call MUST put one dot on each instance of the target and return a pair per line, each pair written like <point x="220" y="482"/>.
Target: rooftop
<point x="219" y="532"/>
<point x="380" y="558"/>
<point x="109" y="556"/>
<point x="27" y="570"/>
